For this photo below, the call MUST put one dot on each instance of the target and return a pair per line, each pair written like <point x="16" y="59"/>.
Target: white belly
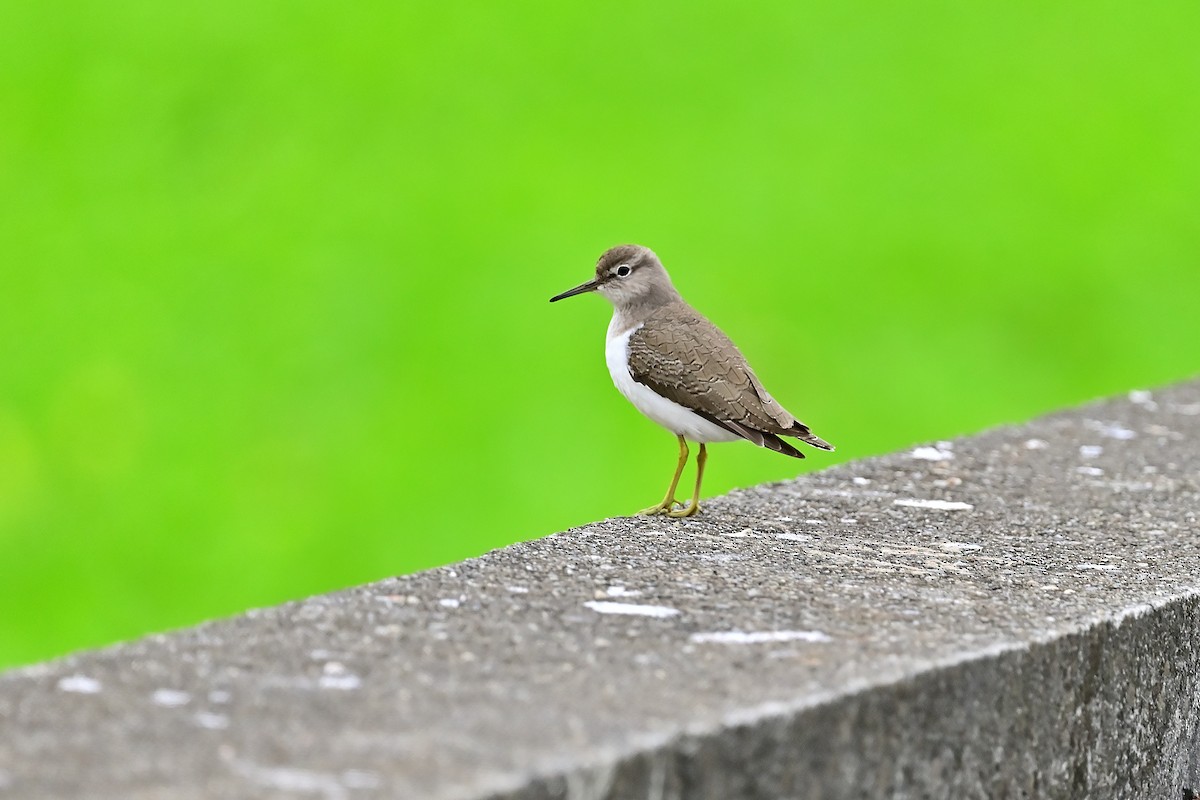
<point x="668" y="413"/>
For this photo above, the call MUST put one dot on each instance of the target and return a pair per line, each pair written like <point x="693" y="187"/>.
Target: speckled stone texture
<point x="1011" y="615"/>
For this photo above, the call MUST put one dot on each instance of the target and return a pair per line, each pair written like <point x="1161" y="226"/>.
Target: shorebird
<point x="681" y="371"/>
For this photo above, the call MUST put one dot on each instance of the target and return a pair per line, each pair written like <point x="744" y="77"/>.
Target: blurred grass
<point x="273" y="276"/>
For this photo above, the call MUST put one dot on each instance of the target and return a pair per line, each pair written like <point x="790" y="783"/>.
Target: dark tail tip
<point x="818" y="442"/>
<point x="801" y="432"/>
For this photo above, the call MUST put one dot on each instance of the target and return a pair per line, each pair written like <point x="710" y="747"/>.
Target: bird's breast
<point x="667" y="413"/>
<point x="616" y="355"/>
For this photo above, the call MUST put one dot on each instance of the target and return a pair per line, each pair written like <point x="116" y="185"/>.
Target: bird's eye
<point x="623" y="271"/>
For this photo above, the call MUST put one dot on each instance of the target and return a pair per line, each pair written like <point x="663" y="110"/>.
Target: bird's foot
<point x="690" y="511"/>
<point x="665" y="507"/>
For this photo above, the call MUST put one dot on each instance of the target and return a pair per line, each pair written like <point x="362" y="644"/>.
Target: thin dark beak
<point x="590" y="286"/>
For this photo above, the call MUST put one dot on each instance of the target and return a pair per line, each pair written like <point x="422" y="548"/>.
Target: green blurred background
<point x="273" y="276"/>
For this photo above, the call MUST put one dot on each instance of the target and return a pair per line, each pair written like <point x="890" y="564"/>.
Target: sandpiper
<point x="681" y="371"/>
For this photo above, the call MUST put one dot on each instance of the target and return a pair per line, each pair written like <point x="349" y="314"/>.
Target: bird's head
<point x="628" y="274"/>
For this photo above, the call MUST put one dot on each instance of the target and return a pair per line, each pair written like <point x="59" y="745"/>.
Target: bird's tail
<point x="801" y="432"/>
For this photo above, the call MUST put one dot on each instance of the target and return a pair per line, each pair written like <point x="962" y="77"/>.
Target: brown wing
<point x="687" y="359"/>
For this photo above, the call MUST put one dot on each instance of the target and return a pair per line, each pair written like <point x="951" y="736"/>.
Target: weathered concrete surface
<point x="829" y="637"/>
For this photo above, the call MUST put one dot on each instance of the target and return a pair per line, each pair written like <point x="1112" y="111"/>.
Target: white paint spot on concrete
<point x="1101" y="567"/>
<point x="344" y="683"/>
<point x="1117" y="432"/>
<point x="1036" y="444"/>
<point x="79" y="684"/>
<point x="329" y="785"/>
<point x="860" y="481"/>
<point x="935" y="505"/>
<point x="448" y="602"/>
<point x="517" y="589"/>
<point x="621" y="591"/>
<point x="1144" y="399"/>
<point x="959" y="547"/>
<point x="211" y="721"/>
<point x="758" y="637"/>
<point x="606" y="607"/>
<point x="1090" y="450"/>
<point x="338" y="677"/>
<point x="170" y="698"/>
<point x="793" y="537"/>
<point x="931" y="454"/>
<point x="740" y="534"/>
<point x="1093" y="471"/>
<point x="720" y="558"/>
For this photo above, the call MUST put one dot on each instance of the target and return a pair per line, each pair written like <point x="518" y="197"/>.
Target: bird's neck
<point x="628" y="316"/>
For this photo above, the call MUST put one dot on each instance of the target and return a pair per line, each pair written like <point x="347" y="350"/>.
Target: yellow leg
<point x="669" y="501"/>
<point x="694" y="507"/>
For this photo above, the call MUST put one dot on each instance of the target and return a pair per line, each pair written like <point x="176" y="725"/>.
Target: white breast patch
<point x="666" y="413"/>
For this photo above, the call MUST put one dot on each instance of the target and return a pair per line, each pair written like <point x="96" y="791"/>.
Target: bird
<point x="681" y="371"/>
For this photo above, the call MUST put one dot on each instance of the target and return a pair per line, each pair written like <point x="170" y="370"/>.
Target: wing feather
<point x="686" y="359"/>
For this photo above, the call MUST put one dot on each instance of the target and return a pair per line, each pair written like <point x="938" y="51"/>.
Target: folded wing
<point x="685" y="358"/>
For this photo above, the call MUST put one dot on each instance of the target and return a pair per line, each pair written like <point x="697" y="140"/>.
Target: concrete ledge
<point x="1009" y="615"/>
